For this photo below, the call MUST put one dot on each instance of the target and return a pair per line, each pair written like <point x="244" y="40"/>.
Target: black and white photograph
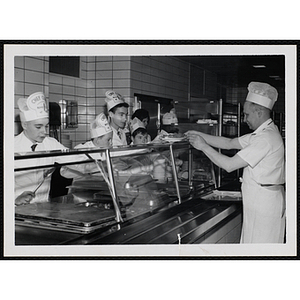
<point x="177" y="150"/>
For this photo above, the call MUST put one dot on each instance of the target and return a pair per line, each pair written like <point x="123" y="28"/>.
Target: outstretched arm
<point x="216" y="141"/>
<point x="229" y="164"/>
<point x="24" y="198"/>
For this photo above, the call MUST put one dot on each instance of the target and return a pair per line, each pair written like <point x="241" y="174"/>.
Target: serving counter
<point x="153" y="194"/>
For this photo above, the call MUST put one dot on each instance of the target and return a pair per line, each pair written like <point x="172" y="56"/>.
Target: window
<point x="65" y="65"/>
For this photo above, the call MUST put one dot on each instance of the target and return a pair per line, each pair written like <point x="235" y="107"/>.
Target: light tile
<point x="104" y="74"/>
<point x="104" y="83"/>
<point x="68" y="90"/>
<point x="19" y="87"/>
<point x="104" y="58"/>
<point x="34" y="64"/>
<point x="79" y="91"/>
<point x="33" y="88"/>
<point x="121" y="65"/>
<point x="121" y="83"/>
<point x="104" y="65"/>
<point x="56" y="88"/>
<point x="34" y="77"/>
<point x="55" y="79"/>
<point x="19" y="62"/>
<point x="121" y="58"/>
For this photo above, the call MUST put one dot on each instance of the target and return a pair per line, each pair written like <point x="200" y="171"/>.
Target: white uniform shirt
<point x="263" y="150"/>
<point x="89" y="145"/>
<point x="82" y="171"/>
<point x="85" y="169"/>
<point x="119" y="140"/>
<point x="28" y="180"/>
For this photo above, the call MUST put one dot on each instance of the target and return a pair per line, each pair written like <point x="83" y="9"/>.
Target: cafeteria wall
<point x="162" y="76"/>
<point x="158" y="76"/>
<point x="31" y="74"/>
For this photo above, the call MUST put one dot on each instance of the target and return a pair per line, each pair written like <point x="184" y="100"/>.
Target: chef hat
<point x="170" y="118"/>
<point x="33" y="108"/>
<point x="135" y="124"/>
<point x="262" y="94"/>
<point x="112" y="99"/>
<point x="99" y="126"/>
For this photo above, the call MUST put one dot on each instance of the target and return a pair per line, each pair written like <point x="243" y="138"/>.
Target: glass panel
<point x="117" y="183"/>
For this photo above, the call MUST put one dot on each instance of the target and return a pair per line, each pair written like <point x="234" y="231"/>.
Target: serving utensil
<point x="46" y="174"/>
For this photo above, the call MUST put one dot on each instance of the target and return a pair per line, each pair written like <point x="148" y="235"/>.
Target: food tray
<point x="217" y="195"/>
<point x="67" y="217"/>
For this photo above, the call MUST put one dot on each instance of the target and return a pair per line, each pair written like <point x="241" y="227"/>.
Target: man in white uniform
<point x="262" y="157"/>
<point x="118" y="112"/>
<point x="34" y="119"/>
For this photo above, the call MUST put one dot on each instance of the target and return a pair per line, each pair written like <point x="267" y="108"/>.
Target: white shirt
<point x="116" y="139"/>
<point x="85" y="168"/>
<point x="29" y="180"/>
<point x="82" y="171"/>
<point x="263" y="150"/>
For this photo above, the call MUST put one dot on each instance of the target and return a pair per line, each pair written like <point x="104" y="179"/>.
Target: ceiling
<point x="235" y="71"/>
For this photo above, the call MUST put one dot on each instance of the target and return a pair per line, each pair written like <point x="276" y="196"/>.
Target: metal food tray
<point x="67" y="217"/>
<point x="217" y="195"/>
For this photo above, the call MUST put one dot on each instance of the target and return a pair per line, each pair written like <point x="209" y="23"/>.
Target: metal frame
<point x="107" y="152"/>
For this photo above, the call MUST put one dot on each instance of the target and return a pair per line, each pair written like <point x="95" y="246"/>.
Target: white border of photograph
<point x="207" y="250"/>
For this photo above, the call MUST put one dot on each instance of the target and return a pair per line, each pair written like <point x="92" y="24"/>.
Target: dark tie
<point x="119" y="134"/>
<point x="33" y="147"/>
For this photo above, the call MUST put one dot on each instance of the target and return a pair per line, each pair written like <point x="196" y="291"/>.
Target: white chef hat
<point x="33" y="108"/>
<point x="262" y="94"/>
<point x="135" y="124"/>
<point x="170" y="118"/>
<point x="99" y="126"/>
<point x="112" y="99"/>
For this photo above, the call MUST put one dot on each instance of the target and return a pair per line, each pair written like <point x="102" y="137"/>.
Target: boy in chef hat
<point x="101" y="132"/>
<point x="34" y="137"/>
<point x="170" y="118"/>
<point x="143" y="116"/>
<point x="118" y="112"/>
<point x="33" y="108"/>
<point x="101" y="136"/>
<point x="169" y="126"/>
<point x="139" y="134"/>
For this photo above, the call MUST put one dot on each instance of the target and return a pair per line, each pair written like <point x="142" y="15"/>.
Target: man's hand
<point x="24" y="198"/>
<point x="196" y="140"/>
<point x="192" y="132"/>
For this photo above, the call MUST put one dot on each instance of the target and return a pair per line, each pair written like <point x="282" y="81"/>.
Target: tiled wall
<point x="97" y="75"/>
<point x="160" y="76"/>
<point x="31" y="75"/>
<point x="106" y="73"/>
<point x="63" y="87"/>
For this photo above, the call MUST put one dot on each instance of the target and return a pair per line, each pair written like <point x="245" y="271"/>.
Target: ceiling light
<point x="259" y="66"/>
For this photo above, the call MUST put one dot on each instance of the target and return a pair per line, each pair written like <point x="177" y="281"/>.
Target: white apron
<point x="263" y="213"/>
